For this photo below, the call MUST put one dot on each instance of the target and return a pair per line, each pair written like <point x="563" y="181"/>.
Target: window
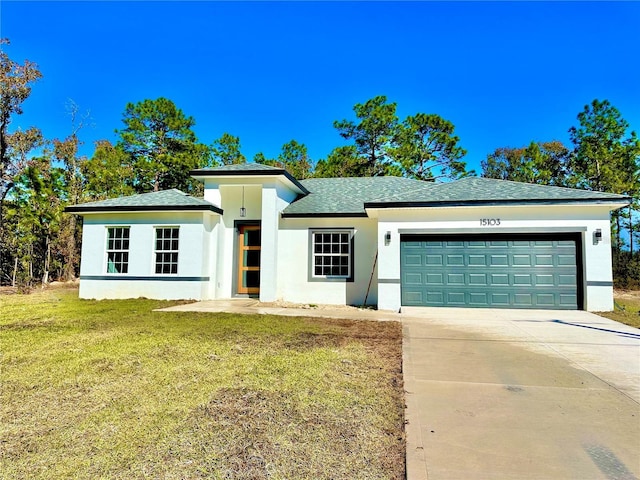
<point x="331" y="253"/>
<point x="167" y="250"/>
<point x="117" y="249"/>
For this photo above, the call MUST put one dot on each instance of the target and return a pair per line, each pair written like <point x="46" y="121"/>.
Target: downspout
<point x="375" y="261"/>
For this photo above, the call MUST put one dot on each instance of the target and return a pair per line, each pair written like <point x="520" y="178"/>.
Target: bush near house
<point x="112" y="389"/>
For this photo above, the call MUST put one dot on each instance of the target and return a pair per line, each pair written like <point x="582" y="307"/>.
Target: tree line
<point x="156" y="148"/>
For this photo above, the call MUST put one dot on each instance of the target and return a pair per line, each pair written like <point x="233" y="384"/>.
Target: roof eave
<point x="615" y="203"/>
<point x="325" y="215"/>
<point x="250" y="173"/>
<point x="81" y="210"/>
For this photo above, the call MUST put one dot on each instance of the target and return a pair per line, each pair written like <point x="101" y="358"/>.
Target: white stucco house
<point x="384" y="241"/>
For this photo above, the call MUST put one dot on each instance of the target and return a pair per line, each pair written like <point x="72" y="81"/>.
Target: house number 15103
<point x="489" y="222"/>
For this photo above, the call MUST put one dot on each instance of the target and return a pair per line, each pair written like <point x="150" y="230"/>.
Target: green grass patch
<point x="627" y="308"/>
<point x="112" y="389"/>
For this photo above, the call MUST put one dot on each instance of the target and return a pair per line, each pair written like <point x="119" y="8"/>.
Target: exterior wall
<point x="231" y="202"/>
<point x="598" y="281"/>
<point x="269" y="245"/>
<point x="294" y="278"/>
<point x="194" y="261"/>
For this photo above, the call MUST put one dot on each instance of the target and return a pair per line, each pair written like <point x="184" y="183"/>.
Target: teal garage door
<point x="491" y="271"/>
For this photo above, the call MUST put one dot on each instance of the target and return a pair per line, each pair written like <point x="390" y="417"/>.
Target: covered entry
<point x="491" y="271"/>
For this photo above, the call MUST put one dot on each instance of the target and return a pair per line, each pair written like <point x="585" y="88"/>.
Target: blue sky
<point x="505" y="73"/>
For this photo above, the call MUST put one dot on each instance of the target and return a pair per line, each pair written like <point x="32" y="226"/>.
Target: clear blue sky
<point x="504" y="73"/>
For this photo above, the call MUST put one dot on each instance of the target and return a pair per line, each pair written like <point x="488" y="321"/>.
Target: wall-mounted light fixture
<point x="387" y="238"/>
<point x="597" y="235"/>
<point x="243" y="211"/>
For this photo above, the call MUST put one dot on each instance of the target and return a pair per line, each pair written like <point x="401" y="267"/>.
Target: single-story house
<point x="384" y="241"/>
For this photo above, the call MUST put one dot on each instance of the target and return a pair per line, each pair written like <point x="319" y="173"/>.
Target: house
<point x="384" y="241"/>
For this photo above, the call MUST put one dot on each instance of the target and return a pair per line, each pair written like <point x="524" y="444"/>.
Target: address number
<point x="489" y="222"/>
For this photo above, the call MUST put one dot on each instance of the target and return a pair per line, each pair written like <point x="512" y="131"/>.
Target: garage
<point x="492" y="271"/>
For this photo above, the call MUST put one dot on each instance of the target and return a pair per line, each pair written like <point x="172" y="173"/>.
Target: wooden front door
<point x="249" y="259"/>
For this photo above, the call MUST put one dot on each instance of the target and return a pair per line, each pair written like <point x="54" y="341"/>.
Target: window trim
<point x="107" y="250"/>
<point x="155" y="251"/>
<point x="312" y="255"/>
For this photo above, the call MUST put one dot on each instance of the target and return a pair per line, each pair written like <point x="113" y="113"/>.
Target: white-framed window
<point x="332" y="255"/>
<point x="166" y="250"/>
<point x="117" y="249"/>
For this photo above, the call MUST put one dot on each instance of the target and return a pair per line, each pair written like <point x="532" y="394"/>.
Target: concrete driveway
<point x="515" y="394"/>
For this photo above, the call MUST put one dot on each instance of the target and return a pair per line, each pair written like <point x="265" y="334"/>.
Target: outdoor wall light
<point x="597" y="235"/>
<point x="387" y="238"/>
<point x="243" y="211"/>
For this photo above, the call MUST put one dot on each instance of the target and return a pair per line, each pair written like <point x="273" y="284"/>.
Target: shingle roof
<point x="477" y="190"/>
<point x="156" y="201"/>
<point x="347" y="196"/>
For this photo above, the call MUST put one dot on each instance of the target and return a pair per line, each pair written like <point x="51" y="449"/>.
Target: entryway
<point x="248" y="259"/>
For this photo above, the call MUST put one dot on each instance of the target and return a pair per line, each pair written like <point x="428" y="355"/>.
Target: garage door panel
<point x="542" y="243"/>
<point x="565" y="259"/>
<point x="412" y="297"/>
<point x="455" y="279"/>
<point x="434" y="260"/>
<point x="456" y="243"/>
<point x="544" y="260"/>
<point x="522" y="279"/>
<point x="476" y="244"/>
<point x="491" y="272"/>
<point x="455" y="260"/>
<point x="413" y="260"/>
<point x="523" y="300"/>
<point x="413" y="278"/>
<point x="435" y="298"/>
<point x="499" y="260"/>
<point x="521" y="260"/>
<point x="545" y="300"/>
<point x="456" y="298"/>
<point x="568" y="299"/>
<point x="497" y="243"/>
<point x="476" y="260"/>
<point x="500" y="299"/>
<point x="544" y="279"/>
<point x="477" y="279"/>
<point x="498" y="279"/>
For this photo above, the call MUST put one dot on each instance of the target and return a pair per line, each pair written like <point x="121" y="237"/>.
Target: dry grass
<point x="112" y="389"/>
<point x="627" y="309"/>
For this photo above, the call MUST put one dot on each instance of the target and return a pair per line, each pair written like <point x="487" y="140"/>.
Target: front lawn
<point x="111" y="389"/>
<point x="627" y="308"/>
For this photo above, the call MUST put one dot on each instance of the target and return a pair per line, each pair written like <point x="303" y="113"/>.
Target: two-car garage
<point x="492" y="271"/>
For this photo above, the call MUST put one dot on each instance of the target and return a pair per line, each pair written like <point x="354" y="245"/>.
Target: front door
<point x="249" y="259"/>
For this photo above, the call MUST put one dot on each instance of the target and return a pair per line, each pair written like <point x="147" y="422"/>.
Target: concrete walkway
<point x="508" y="394"/>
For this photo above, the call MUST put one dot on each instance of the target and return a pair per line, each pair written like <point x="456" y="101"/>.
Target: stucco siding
<point x="193" y="274"/>
<point x="596" y="256"/>
<point x="294" y="282"/>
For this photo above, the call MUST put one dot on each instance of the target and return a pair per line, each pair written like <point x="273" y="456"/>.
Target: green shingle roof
<point x="478" y="190"/>
<point x="156" y="201"/>
<point x="351" y="196"/>
<point x="347" y="196"/>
